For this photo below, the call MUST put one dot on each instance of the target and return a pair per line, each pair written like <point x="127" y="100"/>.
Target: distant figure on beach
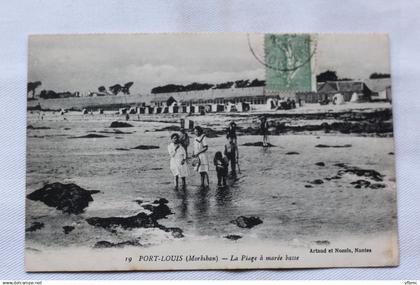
<point x="127" y="117"/>
<point x="232" y="154"/>
<point x="222" y="164"/>
<point x="200" y="149"/>
<point x="264" y="130"/>
<point x="231" y="131"/>
<point x="184" y="140"/>
<point x="178" y="160"/>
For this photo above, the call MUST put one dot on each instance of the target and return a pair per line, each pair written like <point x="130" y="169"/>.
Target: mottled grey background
<point x="19" y="19"/>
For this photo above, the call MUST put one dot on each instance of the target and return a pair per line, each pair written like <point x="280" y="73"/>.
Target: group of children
<point x="178" y="151"/>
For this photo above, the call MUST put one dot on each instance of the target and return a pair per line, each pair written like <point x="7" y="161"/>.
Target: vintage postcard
<point x="209" y="151"/>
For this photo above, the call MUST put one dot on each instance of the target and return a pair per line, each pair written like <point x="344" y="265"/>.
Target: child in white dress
<point x="178" y="163"/>
<point x="200" y="152"/>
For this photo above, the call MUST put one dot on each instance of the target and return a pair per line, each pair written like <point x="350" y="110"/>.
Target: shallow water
<point x="271" y="184"/>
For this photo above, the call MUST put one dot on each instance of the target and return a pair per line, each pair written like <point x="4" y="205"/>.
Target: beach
<point x="313" y="186"/>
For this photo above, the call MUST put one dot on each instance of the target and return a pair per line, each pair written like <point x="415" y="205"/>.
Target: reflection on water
<point x="223" y="197"/>
<point x="182" y="195"/>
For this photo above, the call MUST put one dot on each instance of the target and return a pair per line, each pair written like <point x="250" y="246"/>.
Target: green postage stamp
<point x="288" y="62"/>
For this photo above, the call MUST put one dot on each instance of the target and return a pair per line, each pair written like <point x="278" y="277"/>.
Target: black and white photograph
<point x="192" y="151"/>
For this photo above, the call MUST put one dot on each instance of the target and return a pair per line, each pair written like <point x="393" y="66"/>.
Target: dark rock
<point x="258" y="144"/>
<point x="123" y="149"/>
<point x="145" y="147"/>
<point x="66" y="129"/>
<point x="161" y="200"/>
<point x="333" y="146"/>
<point x="68" y="229"/>
<point x="342" y="165"/>
<point x="391" y="153"/>
<point x="141" y="220"/>
<point x="116" y="131"/>
<point x="309" y="186"/>
<point x="291" y="153"/>
<point x="320" y="164"/>
<point x="69" y="198"/>
<point x="247" y="222"/>
<point x="159" y="211"/>
<point x="89" y="136"/>
<point x="107" y="244"/>
<point x="360" y="184"/>
<point x="370" y="173"/>
<point x="176" y="232"/>
<point x="209" y="132"/>
<point x="30" y="127"/>
<point x="233" y="237"/>
<point x="377" y="186"/>
<point x="366" y="184"/>
<point x="317" y="181"/>
<point x="35" y="226"/>
<point x="284" y="218"/>
<point x="117" y="124"/>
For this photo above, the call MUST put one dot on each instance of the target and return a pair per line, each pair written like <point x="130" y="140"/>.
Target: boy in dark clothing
<point x="232" y="153"/>
<point x="231" y="131"/>
<point x="264" y="130"/>
<point x="221" y="163"/>
<point x="184" y="140"/>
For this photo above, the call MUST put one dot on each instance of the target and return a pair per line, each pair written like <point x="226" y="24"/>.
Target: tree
<point x="32" y="86"/>
<point x="115" y="89"/>
<point x="126" y="88"/>
<point x="102" y="89"/>
<point x="241" y="83"/>
<point x="327" y="76"/>
<point x="256" y="83"/>
<point x="379" y="75"/>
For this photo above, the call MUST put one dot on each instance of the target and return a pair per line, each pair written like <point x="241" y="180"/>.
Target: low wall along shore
<point x="122" y="101"/>
<point x="104" y="102"/>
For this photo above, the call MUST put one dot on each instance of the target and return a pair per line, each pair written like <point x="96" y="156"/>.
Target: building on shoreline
<point x="355" y="91"/>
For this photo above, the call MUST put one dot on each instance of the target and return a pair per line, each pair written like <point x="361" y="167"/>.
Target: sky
<point x="85" y="62"/>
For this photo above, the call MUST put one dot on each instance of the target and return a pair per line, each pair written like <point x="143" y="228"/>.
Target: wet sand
<point x="272" y="185"/>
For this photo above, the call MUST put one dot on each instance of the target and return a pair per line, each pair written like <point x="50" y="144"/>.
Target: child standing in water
<point x="231" y="131"/>
<point x="221" y="163"/>
<point x="178" y="157"/>
<point x="264" y="130"/>
<point x="232" y="153"/>
<point x="200" y="152"/>
<point x="184" y="140"/>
